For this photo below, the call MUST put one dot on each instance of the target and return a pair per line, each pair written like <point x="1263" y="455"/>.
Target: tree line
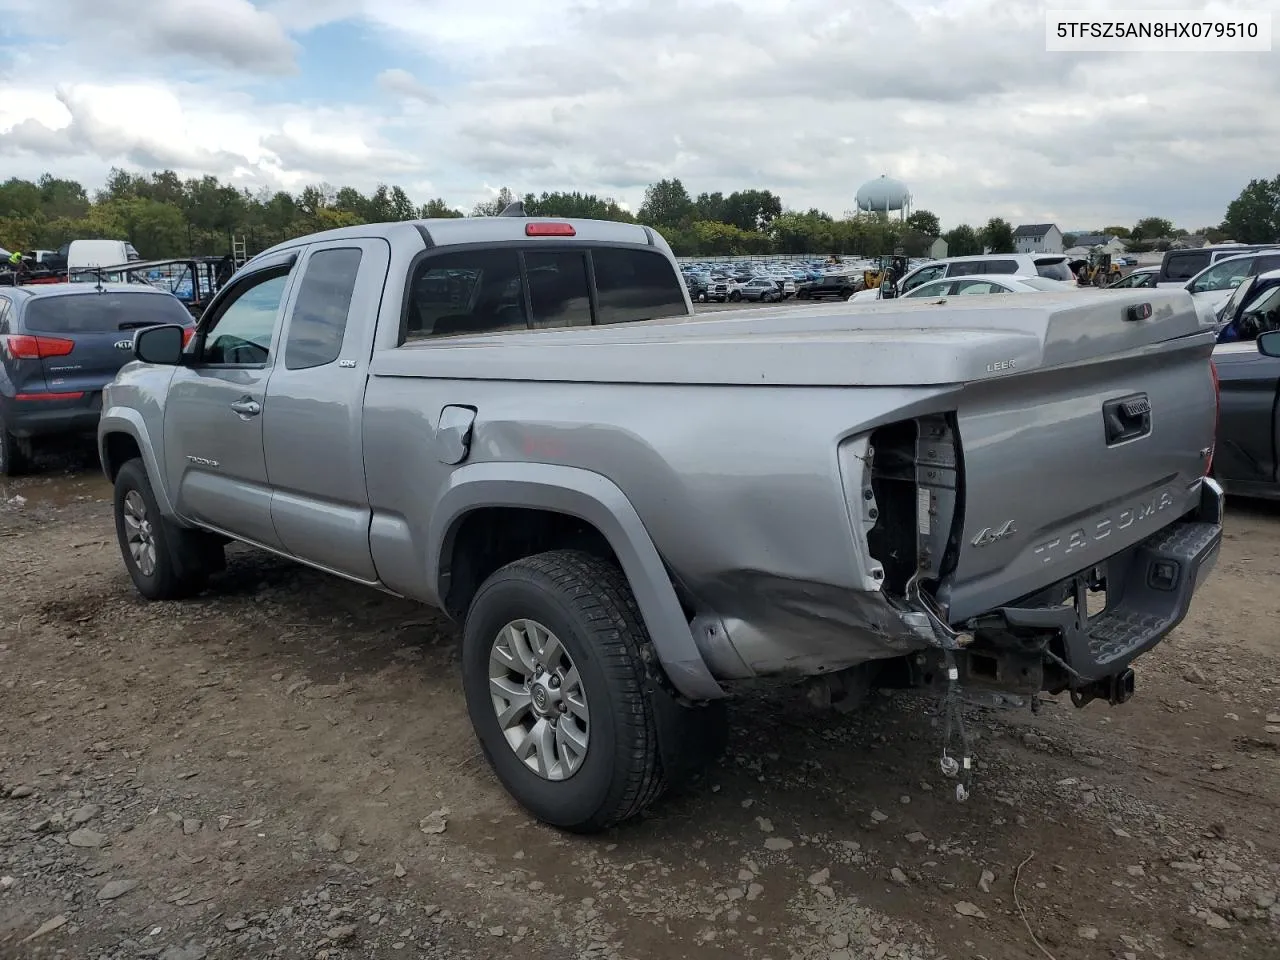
<point x="164" y="215"/>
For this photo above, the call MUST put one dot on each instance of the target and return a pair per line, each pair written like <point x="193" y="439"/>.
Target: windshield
<point x="1241" y="293"/>
<point x="1266" y="302"/>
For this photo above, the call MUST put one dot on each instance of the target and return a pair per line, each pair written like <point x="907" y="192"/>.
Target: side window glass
<point x="1224" y="276"/>
<point x="924" y="276"/>
<point x="4" y="315"/>
<point x="965" y="268"/>
<point x="1260" y="316"/>
<point x="319" y="320"/>
<point x="1000" y="266"/>
<point x="241" y="335"/>
<point x="558" y="289"/>
<point x="470" y="291"/>
<point x="978" y="286"/>
<point x="635" y="285"/>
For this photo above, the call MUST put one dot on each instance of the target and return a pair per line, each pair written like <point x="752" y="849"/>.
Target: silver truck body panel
<point x="726" y="459"/>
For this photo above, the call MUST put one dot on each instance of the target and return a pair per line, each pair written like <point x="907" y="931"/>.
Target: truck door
<point x="1248" y="431"/>
<point x="213" y="454"/>
<point x="312" y="418"/>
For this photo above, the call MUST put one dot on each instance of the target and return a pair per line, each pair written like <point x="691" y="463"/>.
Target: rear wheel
<point x="15" y="454"/>
<point x="702" y="296"/>
<point x="164" y="561"/>
<point x="553" y="664"/>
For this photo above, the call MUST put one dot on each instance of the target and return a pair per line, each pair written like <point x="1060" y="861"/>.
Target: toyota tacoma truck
<point x="635" y="512"/>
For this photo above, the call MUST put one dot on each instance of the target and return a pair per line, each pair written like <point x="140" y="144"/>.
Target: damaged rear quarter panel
<point x="745" y="491"/>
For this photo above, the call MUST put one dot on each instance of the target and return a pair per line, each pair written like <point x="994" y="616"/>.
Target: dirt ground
<point x="283" y="767"/>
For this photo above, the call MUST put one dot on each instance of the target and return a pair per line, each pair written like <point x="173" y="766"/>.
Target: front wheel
<point x="702" y="297"/>
<point x="165" y="562"/>
<point x="553" y="665"/>
<point x="735" y="296"/>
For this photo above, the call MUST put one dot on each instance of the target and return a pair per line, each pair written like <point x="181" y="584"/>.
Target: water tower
<point x="885" y="195"/>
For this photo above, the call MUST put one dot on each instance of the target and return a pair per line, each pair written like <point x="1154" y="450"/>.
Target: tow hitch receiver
<point x="1115" y="689"/>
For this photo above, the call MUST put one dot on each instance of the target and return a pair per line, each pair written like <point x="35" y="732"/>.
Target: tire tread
<point x="596" y="590"/>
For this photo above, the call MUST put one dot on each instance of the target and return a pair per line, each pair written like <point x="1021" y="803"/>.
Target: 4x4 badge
<point x="989" y="535"/>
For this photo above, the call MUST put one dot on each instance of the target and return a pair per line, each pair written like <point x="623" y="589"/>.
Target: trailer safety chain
<point x="952" y="703"/>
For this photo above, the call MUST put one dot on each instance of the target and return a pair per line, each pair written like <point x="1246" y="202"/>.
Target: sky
<point x="808" y="98"/>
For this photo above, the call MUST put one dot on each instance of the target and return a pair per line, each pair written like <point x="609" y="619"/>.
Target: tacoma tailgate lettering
<point x="1058" y="547"/>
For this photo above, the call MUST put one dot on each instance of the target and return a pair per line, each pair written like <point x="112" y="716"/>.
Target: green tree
<point x="437" y="209"/>
<point x="1254" y="216"/>
<point x="19" y="199"/>
<point x="963" y="241"/>
<point x="926" y="222"/>
<point x="997" y="236"/>
<point x="810" y="232"/>
<point x="751" y="210"/>
<point x="586" y="206"/>
<point x="666" y="204"/>
<point x="710" y="206"/>
<point x="1122" y="232"/>
<point x="1151" y="228"/>
<point x="494" y="206"/>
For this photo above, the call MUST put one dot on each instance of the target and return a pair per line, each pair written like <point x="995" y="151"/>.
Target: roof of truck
<point x="456" y="230"/>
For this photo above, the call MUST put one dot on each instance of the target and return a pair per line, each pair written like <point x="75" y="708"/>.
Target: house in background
<point x="1037" y="238"/>
<point x="1104" y="242"/>
<point x="938" y="249"/>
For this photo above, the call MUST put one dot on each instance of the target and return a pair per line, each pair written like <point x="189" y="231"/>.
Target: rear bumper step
<point x="1149" y="590"/>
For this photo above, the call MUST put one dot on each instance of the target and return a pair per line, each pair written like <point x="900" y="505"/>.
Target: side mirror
<point x="161" y="344"/>
<point x="1269" y="343"/>
<point x="888" y="290"/>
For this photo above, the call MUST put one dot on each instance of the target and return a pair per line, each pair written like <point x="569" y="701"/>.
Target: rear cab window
<point x="519" y="287"/>
<point x="106" y="312"/>
<point x="1183" y="264"/>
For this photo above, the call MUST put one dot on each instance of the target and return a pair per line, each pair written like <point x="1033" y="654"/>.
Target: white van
<point x="83" y="255"/>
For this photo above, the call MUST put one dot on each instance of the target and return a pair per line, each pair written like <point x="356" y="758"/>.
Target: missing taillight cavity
<point x="914" y="479"/>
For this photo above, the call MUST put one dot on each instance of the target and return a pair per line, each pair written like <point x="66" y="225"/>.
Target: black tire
<point x="184" y="558"/>
<point x="735" y="296"/>
<point x="586" y="602"/>
<point x="702" y="297"/>
<point x="15" y="454"/>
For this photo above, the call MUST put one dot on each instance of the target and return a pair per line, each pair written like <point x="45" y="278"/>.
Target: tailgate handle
<point x="1127" y="418"/>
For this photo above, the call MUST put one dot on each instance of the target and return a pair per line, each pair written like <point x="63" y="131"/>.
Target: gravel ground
<point x="283" y="767"/>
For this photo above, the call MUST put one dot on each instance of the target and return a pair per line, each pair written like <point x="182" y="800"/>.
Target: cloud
<point x="232" y="34"/>
<point x="805" y="97"/>
<point x="405" y="84"/>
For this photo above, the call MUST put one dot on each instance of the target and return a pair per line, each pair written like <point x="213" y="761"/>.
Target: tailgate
<point x="1067" y="466"/>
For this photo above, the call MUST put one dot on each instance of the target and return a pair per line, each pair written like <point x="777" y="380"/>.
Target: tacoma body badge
<point x="202" y="461"/>
<point x="990" y="535"/>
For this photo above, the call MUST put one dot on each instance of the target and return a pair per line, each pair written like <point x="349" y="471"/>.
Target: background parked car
<point x="60" y="344"/>
<point x="968" y="286"/>
<point x="1050" y="266"/>
<point x="1246" y="458"/>
<point x="1140" y="278"/>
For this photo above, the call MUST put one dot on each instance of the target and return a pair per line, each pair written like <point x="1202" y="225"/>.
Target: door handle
<point x="247" y="408"/>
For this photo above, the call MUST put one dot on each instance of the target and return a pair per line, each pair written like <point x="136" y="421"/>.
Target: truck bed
<point x="979" y="430"/>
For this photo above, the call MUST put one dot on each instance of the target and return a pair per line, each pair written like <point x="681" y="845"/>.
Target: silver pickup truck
<point x="634" y="511"/>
